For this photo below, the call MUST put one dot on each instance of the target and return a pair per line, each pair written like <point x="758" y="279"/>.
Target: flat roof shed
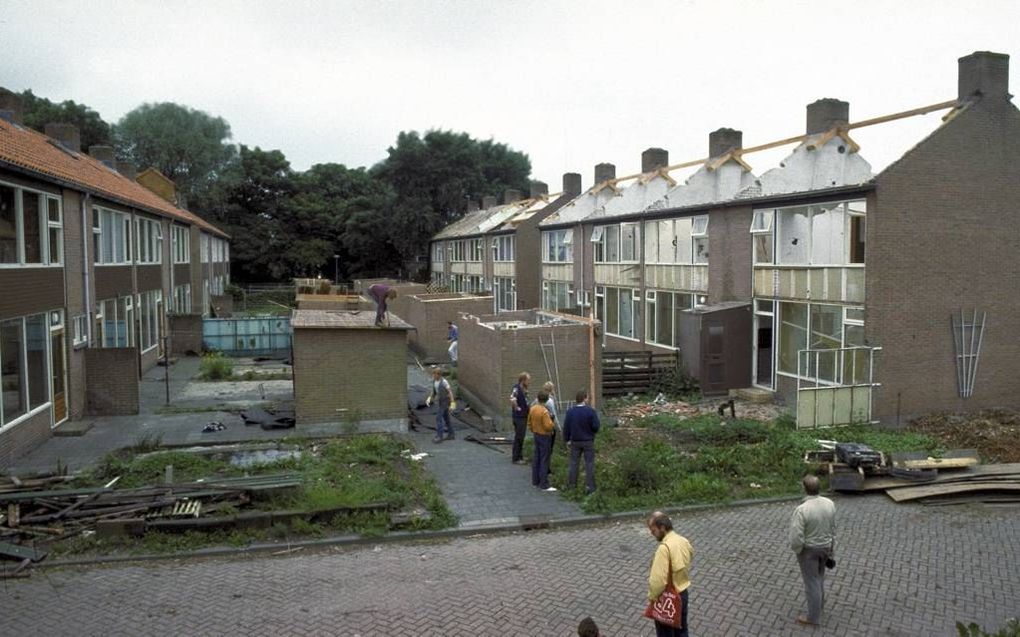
<point x="347" y="370"/>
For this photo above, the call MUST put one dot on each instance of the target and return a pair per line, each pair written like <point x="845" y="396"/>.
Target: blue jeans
<point x="662" y="630"/>
<point x="443" y="415"/>
<point x="540" y="463"/>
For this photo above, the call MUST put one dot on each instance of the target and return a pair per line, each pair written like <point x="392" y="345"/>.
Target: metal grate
<point x="967" y="338"/>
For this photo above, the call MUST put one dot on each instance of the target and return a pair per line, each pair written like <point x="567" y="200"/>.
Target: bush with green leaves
<point x="216" y="366"/>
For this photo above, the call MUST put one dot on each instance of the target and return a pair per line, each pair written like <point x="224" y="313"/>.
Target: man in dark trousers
<point x="380" y="293"/>
<point x="519" y="415"/>
<point x="442" y="395"/>
<point x="541" y="425"/>
<point x="812" y="533"/>
<point x="579" y="427"/>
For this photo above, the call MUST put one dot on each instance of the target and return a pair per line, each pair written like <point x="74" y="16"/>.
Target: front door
<point x="713" y="377"/>
<point x="763" y="351"/>
<point x="59" y="377"/>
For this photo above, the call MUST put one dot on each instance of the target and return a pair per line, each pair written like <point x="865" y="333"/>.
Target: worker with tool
<point x="443" y="395"/>
<point x="380" y="293"/>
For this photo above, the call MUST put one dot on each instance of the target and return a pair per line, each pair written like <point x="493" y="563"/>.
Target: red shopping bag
<point x="668" y="608"/>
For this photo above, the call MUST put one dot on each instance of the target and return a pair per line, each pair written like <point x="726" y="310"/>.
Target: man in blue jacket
<point x="579" y="427"/>
<point x="519" y="415"/>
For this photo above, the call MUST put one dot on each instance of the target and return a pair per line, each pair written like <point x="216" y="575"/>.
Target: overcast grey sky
<point x="569" y="83"/>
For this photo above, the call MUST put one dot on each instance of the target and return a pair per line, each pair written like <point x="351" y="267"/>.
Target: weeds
<point x="215" y="366"/>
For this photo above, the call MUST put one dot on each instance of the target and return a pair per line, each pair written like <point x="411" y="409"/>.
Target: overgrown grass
<point x="669" y="461"/>
<point x="215" y="366"/>
<point x="337" y="473"/>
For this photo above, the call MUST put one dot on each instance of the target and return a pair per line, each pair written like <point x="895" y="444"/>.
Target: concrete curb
<point x="412" y="536"/>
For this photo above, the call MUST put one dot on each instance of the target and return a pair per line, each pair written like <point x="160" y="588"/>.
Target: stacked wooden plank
<point x="992" y="483"/>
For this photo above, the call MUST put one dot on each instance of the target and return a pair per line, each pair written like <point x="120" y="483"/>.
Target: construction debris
<point x="734" y="408"/>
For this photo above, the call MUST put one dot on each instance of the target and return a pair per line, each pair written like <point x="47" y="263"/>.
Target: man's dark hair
<point x="661" y="520"/>
<point x="587" y="628"/>
<point x="581" y="396"/>
<point x="811" y="484"/>
<point x="542" y="397"/>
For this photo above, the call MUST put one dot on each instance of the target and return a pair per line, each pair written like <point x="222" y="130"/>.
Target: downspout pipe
<point x="86" y="239"/>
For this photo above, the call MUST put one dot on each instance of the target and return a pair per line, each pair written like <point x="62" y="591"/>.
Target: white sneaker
<point x="551" y="489"/>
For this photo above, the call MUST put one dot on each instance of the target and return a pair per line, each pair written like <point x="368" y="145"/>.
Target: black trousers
<point x="520" y="428"/>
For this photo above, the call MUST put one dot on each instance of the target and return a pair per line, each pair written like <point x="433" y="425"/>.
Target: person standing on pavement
<point x="380" y="293"/>
<point x="442" y="394"/>
<point x="812" y="533"/>
<point x="579" y="428"/>
<point x="519" y="415"/>
<point x="541" y="426"/>
<point x="452" y="336"/>
<point x="550" y="405"/>
<point x="671" y="563"/>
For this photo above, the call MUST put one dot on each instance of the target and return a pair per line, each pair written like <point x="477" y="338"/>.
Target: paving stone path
<point x="904" y="570"/>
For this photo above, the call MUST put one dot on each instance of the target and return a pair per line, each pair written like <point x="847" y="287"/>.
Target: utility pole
<point x="336" y="269"/>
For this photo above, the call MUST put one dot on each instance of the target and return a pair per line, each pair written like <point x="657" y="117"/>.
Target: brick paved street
<point x="903" y="570"/>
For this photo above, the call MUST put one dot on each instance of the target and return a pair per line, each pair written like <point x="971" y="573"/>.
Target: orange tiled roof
<point x="23" y="147"/>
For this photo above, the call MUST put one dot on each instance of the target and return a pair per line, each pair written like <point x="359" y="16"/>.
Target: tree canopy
<point x="39" y="111"/>
<point x="189" y="146"/>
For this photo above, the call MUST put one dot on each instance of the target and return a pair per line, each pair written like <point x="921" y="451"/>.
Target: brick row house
<point x="90" y="259"/>
<point x="849" y="294"/>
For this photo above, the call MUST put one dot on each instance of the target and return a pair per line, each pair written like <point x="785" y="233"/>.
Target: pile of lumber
<point x="991" y="483"/>
<point x="33" y="514"/>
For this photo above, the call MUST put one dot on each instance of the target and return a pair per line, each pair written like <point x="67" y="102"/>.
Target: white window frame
<point x="45" y="258"/>
<point x="80" y="327"/>
<point x="120" y="225"/>
<point x="557" y="244"/>
<point x="503" y="248"/>
<point x="848" y="214"/>
<point x="48" y="402"/>
<point x="180" y="237"/>
<point x="777" y="340"/>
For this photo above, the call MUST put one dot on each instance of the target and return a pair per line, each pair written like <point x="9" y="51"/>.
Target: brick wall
<point x="333" y="302"/>
<point x="75" y="286"/>
<point x="528" y="266"/>
<point x="944" y="234"/>
<point x="185" y="334"/>
<point x="729" y="249"/>
<point x="17" y="441"/>
<point x="361" y="370"/>
<point x="112" y="381"/>
<point x="429" y="313"/>
<point x="490" y="361"/>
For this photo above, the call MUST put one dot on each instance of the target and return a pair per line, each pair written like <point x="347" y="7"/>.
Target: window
<point x="456" y="251"/>
<point x="629" y="242"/>
<point x="556" y="246"/>
<point x="475" y="283"/>
<point x="30" y="227"/>
<point x="115" y="320"/>
<point x="504" y="292"/>
<point x="476" y="250"/>
<point x="607" y="243"/>
<point x="437" y="252"/>
<point x="24" y="367"/>
<point x="820" y="235"/>
<point x="699" y="234"/>
<point x="456" y="282"/>
<point x="181" y="243"/>
<point x="662" y="316"/>
<point x="149" y="319"/>
<point x="80" y="326"/>
<point x="822" y="327"/>
<point x="111" y="233"/>
<point x="503" y="248"/>
<point x="150" y="241"/>
<point x="619" y="309"/>
<point x="182" y="299"/>
<point x="557" y="295"/>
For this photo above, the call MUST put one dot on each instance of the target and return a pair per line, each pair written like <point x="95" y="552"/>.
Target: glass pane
<point x="664" y="319"/>
<point x="792" y="334"/>
<point x="827" y="236"/>
<point x="763" y="248"/>
<point x="855" y="313"/>
<point x="701" y="250"/>
<point x="763" y="306"/>
<point x="53" y="208"/>
<point x="858" y="239"/>
<point x="826" y="333"/>
<point x="121" y="323"/>
<point x="626" y="314"/>
<point x="682" y="240"/>
<point x="8" y="226"/>
<point x="628" y="241"/>
<point x="37" y="336"/>
<point x="12" y="371"/>
<point x="612" y="244"/>
<point x="612" y="311"/>
<point x="762" y="221"/>
<point x="56" y="245"/>
<point x="107" y="236"/>
<point x="109" y="323"/>
<point x="33" y="224"/>
<point x="700" y="225"/>
<point x="793" y="236"/>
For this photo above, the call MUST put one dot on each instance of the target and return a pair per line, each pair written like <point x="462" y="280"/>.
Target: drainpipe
<point x="86" y="239"/>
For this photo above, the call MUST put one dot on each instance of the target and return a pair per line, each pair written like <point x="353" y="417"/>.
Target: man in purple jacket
<point x="380" y="292"/>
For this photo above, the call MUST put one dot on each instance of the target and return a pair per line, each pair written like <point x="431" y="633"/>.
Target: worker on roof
<point x="380" y="293"/>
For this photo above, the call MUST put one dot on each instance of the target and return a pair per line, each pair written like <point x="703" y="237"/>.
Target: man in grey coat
<point x="812" y="533"/>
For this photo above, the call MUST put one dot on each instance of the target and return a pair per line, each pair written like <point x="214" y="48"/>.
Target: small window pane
<point x="701" y="250"/>
<point x="596" y="234"/>
<point x="37" y="336"/>
<point x="762" y="221"/>
<point x="33" y="225"/>
<point x="700" y="226"/>
<point x="12" y="370"/>
<point x="53" y="206"/>
<point x="8" y="226"/>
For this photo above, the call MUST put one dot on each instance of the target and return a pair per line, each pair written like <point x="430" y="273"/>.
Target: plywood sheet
<point x="930" y="490"/>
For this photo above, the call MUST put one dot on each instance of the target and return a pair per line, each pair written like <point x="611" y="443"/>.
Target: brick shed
<point x="494" y="349"/>
<point x="345" y="367"/>
<point x="429" y="313"/>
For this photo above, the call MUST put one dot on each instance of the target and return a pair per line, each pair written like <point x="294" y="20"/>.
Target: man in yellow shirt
<point x="541" y="426"/>
<point x="672" y="562"/>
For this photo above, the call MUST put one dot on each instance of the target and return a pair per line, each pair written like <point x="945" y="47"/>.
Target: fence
<point x="626" y="372"/>
<point x="265" y="336"/>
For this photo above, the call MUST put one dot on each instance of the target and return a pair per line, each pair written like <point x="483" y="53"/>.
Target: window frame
<point x="25" y="391"/>
<point x="118" y="227"/>
<point x="46" y="259"/>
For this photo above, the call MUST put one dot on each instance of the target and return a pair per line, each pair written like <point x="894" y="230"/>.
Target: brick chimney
<point x="604" y="172"/>
<point x="653" y="159"/>
<point x="488" y="201"/>
<point x="572" y="183"/>
<point x="103" y="154"/>
<point x="539" y="189"/>
<point x="128" y="169"/>
<point x="66" y="135"/>
<point x="11" y="107"/>
<point x="511" y="195"/>
<point x="472" y="205"/>
<point x="984" y="72"/>
<point x="723" y="140"/>
<point x="825" y="114"/>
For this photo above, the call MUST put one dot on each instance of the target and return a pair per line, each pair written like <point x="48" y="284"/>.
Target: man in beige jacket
<point x="812" y="533"/>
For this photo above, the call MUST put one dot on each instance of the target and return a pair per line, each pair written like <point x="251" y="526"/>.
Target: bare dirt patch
<point x="994" y="433"/>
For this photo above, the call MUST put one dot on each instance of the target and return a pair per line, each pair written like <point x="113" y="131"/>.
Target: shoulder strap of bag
<point x="669" y="565"/>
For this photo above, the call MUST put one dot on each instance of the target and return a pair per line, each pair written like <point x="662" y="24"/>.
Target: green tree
<point x="435" y="175"/>
<point x="40" y="111"/>
<point x="189" y="146"/>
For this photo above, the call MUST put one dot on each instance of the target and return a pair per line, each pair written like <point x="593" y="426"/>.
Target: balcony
<point x="835" y="284"/>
